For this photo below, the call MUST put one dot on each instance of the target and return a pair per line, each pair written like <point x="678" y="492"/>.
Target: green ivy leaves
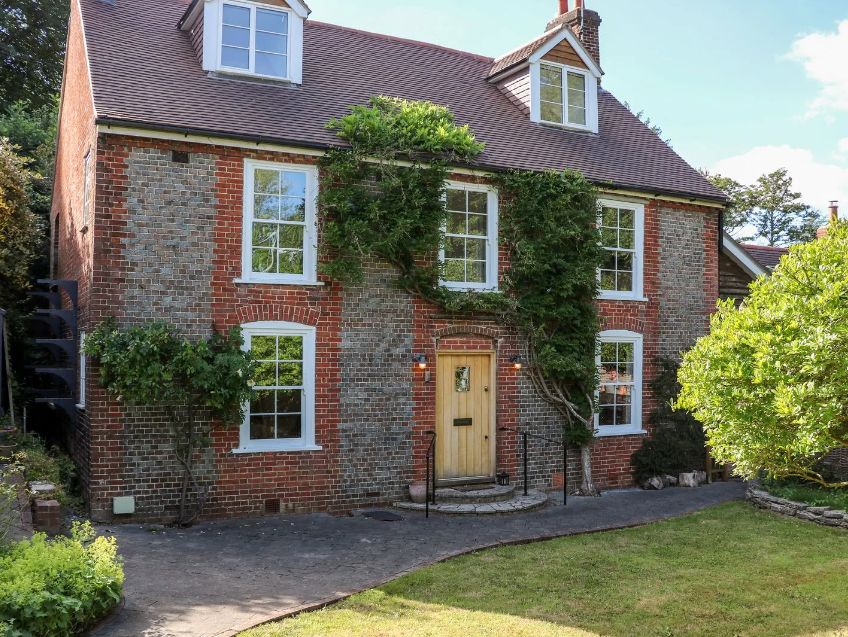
<point x="383" y="196"/>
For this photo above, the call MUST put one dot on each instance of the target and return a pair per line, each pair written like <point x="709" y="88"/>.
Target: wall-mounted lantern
<point x="420" y="360"/>
<point x="517" y="362"/>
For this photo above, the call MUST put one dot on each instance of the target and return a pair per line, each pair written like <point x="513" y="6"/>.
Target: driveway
<point x="218" y="578"/>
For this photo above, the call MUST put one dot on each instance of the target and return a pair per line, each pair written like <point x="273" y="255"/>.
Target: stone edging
<point x="820" y="515"/>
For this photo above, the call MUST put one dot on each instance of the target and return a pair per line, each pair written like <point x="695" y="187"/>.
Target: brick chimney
<point x="585" y="24"/>
<point x="834" y="218"/>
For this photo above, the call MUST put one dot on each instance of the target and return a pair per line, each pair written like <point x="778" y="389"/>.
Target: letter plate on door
<point x="462" y="422"/>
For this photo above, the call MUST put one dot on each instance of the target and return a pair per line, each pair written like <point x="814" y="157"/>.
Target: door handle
<point x="486" y="388"/>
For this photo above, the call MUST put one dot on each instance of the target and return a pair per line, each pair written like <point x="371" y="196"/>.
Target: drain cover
<point x="382" y="516"/>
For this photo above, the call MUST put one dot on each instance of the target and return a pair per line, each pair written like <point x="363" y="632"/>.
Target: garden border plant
<point x="195" y="382"/>
<point x="769" y="381"/>
<point x="383" y="196"/>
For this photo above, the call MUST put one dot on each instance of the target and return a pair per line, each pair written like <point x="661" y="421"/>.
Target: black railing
<point x="430" y="483"/>
<point x="524" y="436"/>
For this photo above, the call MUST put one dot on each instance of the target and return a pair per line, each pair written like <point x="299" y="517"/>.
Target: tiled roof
<point x="766" y="256"/>
<point x="521" y="54"/>
<point x="145" y="73"/>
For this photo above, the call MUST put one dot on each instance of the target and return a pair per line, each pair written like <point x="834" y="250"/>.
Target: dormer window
<point x="255" y="39"/>
<point x="562" y="95"/>
<point x="249" y="38"/>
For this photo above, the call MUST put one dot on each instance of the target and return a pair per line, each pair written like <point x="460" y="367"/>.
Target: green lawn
<point x="724" y="572"/>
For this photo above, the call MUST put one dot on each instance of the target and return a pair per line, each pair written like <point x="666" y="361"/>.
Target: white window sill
<point x="577" y="128"/>
<point x="607" y="296"/>
<point x="609" y="432"/>
<point x="467" y="288"/>
<point x="281" y="448"/>
<point x="304" y="283"/>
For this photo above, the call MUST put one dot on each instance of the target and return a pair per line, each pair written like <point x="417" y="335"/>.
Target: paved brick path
<point x="218" y="578"/>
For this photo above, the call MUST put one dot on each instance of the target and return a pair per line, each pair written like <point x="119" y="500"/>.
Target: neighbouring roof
<point x="145" y="73"/>
<point x="741" y="257"/>
<point x="767" y="256"/>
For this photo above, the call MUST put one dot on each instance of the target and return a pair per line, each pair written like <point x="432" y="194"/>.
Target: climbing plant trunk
<point x="587" y="486"/>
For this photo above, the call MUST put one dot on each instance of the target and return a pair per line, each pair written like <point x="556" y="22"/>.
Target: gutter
<point x="186" y="131"/>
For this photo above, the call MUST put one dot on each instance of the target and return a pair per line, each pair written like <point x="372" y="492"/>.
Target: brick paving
<point x="218" y="578"/>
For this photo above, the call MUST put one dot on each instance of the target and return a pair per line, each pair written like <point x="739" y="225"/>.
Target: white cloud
<point x="824" y="58"/>
<point x="842" y="146"/>
<point x="817" y="182"/>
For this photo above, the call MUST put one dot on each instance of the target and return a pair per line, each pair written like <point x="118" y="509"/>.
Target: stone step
<point x="475" y="494"/>
<point x="518" y="503"/>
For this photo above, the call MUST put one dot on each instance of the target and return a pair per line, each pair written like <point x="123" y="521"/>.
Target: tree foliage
<point x="770" y="380"/>
<point x="21" y="231"/>
<point x="151" y="365"/>
<point x="32" y="46"/>
<point x="383" y="196"/>
<point x="768" y="210"/>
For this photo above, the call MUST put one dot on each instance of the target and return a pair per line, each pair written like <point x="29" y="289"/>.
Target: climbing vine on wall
<point x="383" y="196"/>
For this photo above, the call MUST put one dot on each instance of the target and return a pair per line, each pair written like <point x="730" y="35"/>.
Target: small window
<point x="86" y="186"/>
<point x="463" y="379"/>
<point x="619" y="396"/>
<point x="279" y="224"/>
<point x="280" y="414"/>
<point x="469" y="254"/>
<point x="621" y="228"/>
<point x="82" y="371"/>
<point x="563" y="95"/>
<point x="255" y="39"/>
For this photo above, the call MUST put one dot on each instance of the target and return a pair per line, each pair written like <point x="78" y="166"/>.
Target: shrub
<point x="53" y="465"/>
<point x="769" y="381"/>
<point x="677" y="444"/>
<point x="59" y="587"/>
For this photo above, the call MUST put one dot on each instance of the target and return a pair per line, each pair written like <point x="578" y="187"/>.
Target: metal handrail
<point x="526" y="434"/>
<point x="431" y="476"/>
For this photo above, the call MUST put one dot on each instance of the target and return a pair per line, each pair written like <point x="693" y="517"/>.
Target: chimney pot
<point x="563" y="7"/>
<point x="834" y="211"/>
<point x="578" y="4"/>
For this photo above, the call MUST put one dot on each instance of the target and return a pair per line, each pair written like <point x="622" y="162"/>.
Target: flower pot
<point x="418" y="492"/>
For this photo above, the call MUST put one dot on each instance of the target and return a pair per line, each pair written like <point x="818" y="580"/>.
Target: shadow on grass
<point x="730" y="570"/>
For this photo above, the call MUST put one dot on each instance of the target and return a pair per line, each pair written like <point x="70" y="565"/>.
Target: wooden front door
<point x="465" y="417"/>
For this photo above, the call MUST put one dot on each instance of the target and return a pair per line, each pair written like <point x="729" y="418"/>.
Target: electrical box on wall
<point x="124" y="505"/>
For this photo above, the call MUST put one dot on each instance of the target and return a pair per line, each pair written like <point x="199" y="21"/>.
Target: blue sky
<point x="739" y="86"/>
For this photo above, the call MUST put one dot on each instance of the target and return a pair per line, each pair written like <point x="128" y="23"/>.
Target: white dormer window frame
<point x="591" y="75"/>
<point x="252" y="47"/>
<point x="213" y="35"/>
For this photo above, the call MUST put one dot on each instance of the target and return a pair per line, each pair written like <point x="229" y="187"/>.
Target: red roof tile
<point x="766" y="256"/>
<point x="145" y="73"/>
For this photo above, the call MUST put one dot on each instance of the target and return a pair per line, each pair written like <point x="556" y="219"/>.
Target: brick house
<point x="185" y="190"/>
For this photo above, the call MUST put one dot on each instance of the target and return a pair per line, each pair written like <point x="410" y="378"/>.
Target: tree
<point x="151" y="365"/>
<point x="32" y="45"/>
<point x="654" y="128"/>
<point x="736" y="212"/>
<point x="768" y="210"/>
<point x="21" y="231"/>
<point x="769" y="382"/>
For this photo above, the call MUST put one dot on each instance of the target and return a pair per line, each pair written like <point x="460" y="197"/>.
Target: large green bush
<point x="58" y="587"/>
<point x="769" y="383"/>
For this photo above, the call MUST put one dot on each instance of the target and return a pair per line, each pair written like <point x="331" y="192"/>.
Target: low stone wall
<point x="819" y="515"/>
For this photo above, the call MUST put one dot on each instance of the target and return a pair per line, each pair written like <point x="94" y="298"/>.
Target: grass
<point x="730" y="571"/>
<point x="808" y="493"/>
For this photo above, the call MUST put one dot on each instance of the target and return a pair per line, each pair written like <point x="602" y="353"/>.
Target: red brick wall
<point x="313" y="480"/>
<point x="72" y="256"/>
